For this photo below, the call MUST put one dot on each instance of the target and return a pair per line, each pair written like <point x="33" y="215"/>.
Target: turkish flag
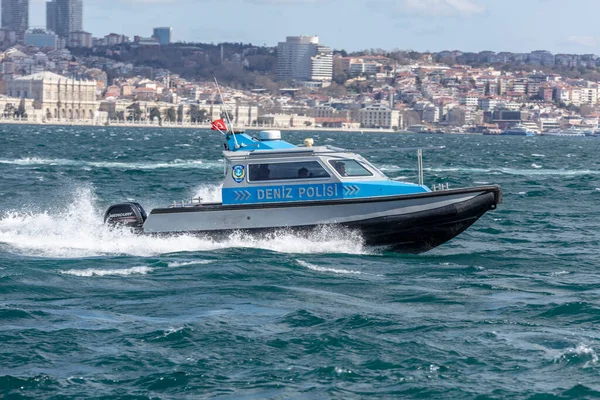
<point x="218" y="125"/>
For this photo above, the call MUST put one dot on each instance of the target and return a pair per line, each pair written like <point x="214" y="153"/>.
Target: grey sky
<point x="471" y="25"/>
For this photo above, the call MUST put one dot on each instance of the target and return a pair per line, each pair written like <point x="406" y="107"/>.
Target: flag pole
<point x="237" y="146"/>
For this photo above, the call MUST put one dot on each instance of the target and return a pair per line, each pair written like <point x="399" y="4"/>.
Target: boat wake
<point x="78" y="231"/>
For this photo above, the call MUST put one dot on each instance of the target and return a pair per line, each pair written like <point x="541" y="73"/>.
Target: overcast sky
<point x="423" y="25"/>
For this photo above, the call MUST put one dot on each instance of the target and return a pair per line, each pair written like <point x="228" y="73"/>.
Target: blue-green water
<point x="509" y="309"/>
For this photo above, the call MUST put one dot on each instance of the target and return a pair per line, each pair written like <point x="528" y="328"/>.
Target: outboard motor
<point x="131" y="215"/>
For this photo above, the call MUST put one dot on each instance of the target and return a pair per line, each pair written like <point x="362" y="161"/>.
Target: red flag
<point x="218" y="125"/>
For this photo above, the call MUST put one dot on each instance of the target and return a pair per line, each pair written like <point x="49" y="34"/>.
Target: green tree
<point x="9" y="110"/>
<point x="154" y="114"/>
<point x="170" y="114"/>
<point x="134" y="112"/>
<point x="227" y="116"/>
<point x="196" y="114"/>
<point x="21" y="110"/>
<point x="180" y="113"/>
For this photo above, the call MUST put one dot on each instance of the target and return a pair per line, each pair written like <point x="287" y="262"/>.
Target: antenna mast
<point x="237" y="146"/>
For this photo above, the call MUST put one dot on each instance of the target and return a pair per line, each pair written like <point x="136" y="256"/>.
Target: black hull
<point x="407" y="233"/>
<point x="420" y="232"/>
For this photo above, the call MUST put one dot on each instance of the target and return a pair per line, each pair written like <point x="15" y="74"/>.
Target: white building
<point x="380" y="116"/>
<point x="322" y="65"/>
<point x="488" y="103"/>
<point x="57" y="96"/>
<point x="301" y="58"/>
<point x="470" y="100"/>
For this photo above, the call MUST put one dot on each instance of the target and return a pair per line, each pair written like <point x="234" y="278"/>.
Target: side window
<point x="284" y="171"/>
<point x="349" y="168"/>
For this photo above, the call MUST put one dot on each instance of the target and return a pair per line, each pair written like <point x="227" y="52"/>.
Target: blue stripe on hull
<point x="314" y="192"/>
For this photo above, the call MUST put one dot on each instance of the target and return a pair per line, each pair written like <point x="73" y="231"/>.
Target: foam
<point x="78" y="231"/>
<point x="523" y="172"/>
<point x="177" y="164"/>
<point x="209" y="193"/>
<point x="108" y="272"/>
<point x="178" y="264"/>
<point x="314" y="267"/>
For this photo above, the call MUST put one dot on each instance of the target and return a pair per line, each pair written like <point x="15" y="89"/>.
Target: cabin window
<point x="286" y="171"/>
<point x="349" y="168"/>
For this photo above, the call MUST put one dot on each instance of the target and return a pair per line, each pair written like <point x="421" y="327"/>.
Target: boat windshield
<point x="286" y="170"/>
<point x="349" y="168"/>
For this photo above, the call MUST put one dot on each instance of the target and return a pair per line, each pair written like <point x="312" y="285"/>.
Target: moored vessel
<point x="569" y="132"/>
<point x="518" y="130"/>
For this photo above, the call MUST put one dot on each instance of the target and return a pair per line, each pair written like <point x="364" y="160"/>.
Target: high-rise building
<point x="163" y="35"/>
<point x="302" y="58"/>
<point x="15" y="16"/>
<point x="64" y="16"/>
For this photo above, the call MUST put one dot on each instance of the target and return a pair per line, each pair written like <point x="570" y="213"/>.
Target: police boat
<point x="273" y="185"/>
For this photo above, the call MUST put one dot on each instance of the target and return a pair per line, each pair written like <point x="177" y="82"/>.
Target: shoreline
<point x="190" y="126"/>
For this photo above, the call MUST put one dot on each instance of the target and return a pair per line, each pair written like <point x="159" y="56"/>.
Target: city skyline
<point x="422" y="25"/>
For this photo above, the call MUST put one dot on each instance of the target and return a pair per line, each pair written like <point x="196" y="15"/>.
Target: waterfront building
<point x="380" y="116"/>
<point x="301" y="58"/>
<point x="15" y="16"/>
<point x="57" y="96"/>
<point x="163" y="35"/>
<point x="41" y="38"/>
<point x="323" y="111"/>
<point x="64" y="16"/>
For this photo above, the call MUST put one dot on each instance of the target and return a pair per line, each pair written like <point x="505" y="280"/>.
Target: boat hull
<point x="406" y="223"/>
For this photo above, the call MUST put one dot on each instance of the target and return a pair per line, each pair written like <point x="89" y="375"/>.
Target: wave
<point x="513" y="171"/>
<point x="178" y="264"/>
<point x="178" y="164"/>
<point x="314" y="267"/>
<point x="582" y="354"/>
<point x="108" y="272"/>
<point x="78" y="231"/>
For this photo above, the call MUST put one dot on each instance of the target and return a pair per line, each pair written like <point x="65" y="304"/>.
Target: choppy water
<point x="509" y="309"/>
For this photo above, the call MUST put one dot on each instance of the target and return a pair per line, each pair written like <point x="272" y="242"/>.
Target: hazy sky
<point x="469" y="25"/>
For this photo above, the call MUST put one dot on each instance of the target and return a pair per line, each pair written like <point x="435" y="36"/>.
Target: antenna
<point x="237" y="146"/>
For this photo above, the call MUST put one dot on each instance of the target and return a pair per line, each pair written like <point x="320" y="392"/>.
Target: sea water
<point x="509" y="309"/>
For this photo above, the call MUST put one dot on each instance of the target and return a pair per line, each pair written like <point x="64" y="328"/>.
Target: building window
<point x="286" y="171"/>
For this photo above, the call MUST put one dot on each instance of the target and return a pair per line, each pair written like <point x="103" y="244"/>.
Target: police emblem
<point x="238" y="173"/>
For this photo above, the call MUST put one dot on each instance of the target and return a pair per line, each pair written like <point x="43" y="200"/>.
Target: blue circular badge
<point x="238" y="173"/>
